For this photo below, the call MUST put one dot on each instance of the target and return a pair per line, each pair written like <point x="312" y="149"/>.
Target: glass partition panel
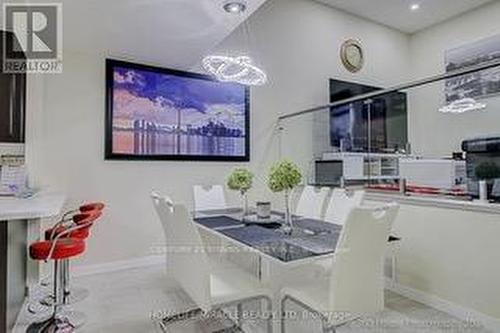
<point x="440" y="138"/>
<point x="298" y="142"/>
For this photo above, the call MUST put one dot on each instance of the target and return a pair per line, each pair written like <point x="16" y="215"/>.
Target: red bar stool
<point x="86" y="221"/>
<point x="89" y="216"/>
<point x="92" y="206"/>
<point x="70" y="219"/>
<point x="67" y="217"/>
<point x="57" y="250"/>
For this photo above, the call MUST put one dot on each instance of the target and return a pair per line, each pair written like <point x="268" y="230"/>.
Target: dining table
<point x="262" y="247"/>
<point x="309" y="240"/>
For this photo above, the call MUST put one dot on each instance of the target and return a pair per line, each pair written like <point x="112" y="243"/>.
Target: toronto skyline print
<point x="155" y="113"/>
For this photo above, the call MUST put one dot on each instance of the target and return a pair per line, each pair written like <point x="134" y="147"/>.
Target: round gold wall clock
<point x="352" y="55"/>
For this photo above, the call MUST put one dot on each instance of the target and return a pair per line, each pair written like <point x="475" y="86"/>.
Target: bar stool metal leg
<point x="58" y="323"/>
<point x="71" y="295"/>
<point x="57" y="251"/>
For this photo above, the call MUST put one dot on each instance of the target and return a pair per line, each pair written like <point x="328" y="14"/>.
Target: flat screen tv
<point x="349" y="122"/>
<point x="164" y="114"/>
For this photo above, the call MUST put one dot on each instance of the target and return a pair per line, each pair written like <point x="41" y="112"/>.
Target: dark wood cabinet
<point x="12" y="102"/>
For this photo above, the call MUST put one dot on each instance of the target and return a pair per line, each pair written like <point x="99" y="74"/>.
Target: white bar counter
<point x="42" y="205"/>
<point x="449" y="254"/>
<point x="20" y="222"/>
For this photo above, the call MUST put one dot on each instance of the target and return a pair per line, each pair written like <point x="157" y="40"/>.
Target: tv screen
<point x="157" y="113"/>
<point x="349" y="122"/>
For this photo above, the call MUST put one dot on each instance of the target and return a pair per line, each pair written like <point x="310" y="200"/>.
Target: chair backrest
<point x="187" y="259"/>
<point x="311" y="202"/>
<point x="341" y="204"/>
<point x="162" y="210"/>
<point x="357" y="281"/>
<point x="209" y="197"/>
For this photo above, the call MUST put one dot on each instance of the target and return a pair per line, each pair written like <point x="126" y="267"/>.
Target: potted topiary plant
<point x="241" y="180"/>
<point x="284" y="177"/>
<point x="485" y="172"/>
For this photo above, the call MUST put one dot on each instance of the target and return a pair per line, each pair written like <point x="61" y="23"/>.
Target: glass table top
<point x="309" y="237"/>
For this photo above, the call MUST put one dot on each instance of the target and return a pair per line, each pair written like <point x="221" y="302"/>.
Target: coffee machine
<point x="481" y="152"/>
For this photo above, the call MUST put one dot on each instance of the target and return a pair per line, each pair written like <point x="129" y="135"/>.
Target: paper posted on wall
<point x="12" y="180"/>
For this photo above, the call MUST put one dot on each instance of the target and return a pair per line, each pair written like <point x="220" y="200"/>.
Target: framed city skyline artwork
<point x="155" y="113"/>
<point x="482" y="84"/>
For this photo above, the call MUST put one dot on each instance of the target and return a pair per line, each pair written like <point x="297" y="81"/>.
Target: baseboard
<point x="458" y="311"/>
<point x="117" y="265"/>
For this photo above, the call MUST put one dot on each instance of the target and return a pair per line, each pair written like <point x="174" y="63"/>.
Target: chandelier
<point x="239" y="69"/>
<point x="463" y="105"/>
<point x="234" y="69"/>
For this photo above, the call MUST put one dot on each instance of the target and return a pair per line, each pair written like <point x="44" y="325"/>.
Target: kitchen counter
<point x="448" y="239"/>
<point x="19" y="227"/>
<point x="42" y="205"/>
<point x="434" y="201"/>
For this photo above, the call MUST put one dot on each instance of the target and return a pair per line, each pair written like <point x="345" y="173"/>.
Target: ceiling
<point x="397" y="14"/>
<point x="178" y="33"/>
<point x="173" y="33"/>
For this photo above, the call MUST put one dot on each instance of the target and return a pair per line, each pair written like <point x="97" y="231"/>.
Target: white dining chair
<point x="495" y="191"/>
<point x="209" y="197"/>
<point x="341" y="204"/>
<point x="210" y="286"/>
<point x="355" y="286"/>
<point x="311" y="202"/>
<point x="157" y="197"/>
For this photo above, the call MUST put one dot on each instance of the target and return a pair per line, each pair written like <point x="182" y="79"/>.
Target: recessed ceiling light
<point x="235" y="7"/>
<point x="415" y="6"/>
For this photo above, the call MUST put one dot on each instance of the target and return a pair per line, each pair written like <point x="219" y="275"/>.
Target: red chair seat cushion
<point x="87" y="217"/>
<point x="92" y="206"/>
<point x="80" y="233"/>
<point x="65" y="248"/>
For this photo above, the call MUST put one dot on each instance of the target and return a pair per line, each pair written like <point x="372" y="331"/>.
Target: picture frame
<point x="479" y="85"/>
<point x="219" y="113"/>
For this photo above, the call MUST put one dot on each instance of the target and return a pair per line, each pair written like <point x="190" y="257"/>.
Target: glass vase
<point x="244" y="204"/>
<point x="483" y="190"/>
<point x="288" y="225"/>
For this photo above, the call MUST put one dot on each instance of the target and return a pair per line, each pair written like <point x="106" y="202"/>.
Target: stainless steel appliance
<point x="483" y="153"/>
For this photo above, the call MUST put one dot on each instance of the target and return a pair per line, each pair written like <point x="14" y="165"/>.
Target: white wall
<point x="71" y="134"/>
<point x="432" y="133"/>
<point x="67" y="127"/>
<point x="449" y="253"/>
<point x="465" y="260"/>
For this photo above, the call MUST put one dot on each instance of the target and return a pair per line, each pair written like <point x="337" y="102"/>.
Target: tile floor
<point x="128" y="301"/>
